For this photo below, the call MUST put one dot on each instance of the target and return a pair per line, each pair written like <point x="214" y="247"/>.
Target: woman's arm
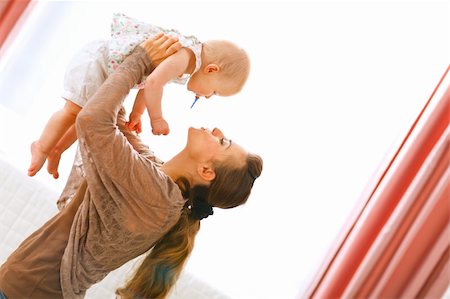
<point x="106" y="150"/>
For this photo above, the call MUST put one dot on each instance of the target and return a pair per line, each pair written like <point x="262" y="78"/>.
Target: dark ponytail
<point x="162" y="266"/>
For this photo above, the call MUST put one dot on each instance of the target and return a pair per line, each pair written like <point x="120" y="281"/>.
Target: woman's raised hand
<point x="160" y="47"/>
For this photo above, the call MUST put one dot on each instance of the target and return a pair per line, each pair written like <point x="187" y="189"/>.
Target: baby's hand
<point x="160" y="126"/>
<point x="134" y="124"/>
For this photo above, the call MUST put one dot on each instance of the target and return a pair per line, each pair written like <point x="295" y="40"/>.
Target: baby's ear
<point x="212" y="68"/>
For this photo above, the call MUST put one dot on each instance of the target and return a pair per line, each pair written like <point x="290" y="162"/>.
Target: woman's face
<point x="206" y="146"/>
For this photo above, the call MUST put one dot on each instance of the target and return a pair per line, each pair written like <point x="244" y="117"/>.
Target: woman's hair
<point x="233" y="61"/>
<point x="162" y="266"/>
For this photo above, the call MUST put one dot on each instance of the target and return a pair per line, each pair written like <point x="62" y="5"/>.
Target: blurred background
<point x="334" y="87"/>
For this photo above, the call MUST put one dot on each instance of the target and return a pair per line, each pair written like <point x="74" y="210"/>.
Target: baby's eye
<point x="222" y="140"/>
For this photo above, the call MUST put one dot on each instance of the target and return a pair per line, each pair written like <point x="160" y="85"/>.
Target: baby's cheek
<point x="191" y="87"/>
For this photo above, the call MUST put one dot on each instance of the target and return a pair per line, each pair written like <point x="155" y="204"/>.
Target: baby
<point x="215" y="67"/>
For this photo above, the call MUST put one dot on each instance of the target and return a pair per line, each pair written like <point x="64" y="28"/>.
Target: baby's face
<point x="206" y="84"/>
<point x="200" y="89"/>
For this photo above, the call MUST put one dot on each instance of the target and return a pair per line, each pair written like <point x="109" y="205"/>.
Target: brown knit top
<point x="119" y="210"/>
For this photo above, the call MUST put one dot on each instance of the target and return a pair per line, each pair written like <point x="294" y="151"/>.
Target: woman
<point x="127" y="204"/>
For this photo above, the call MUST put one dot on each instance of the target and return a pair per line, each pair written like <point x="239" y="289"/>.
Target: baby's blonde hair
<point x="233" y="61"/>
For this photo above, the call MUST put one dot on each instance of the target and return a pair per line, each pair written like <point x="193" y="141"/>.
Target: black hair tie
<point x="200" y="208"/>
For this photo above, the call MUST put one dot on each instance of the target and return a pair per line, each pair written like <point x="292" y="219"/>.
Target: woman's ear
<point x="211" y="68"/>
<point x="206" y="173"/>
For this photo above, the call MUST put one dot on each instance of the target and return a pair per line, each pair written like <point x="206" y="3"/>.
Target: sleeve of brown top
<point x="109" y="151"/>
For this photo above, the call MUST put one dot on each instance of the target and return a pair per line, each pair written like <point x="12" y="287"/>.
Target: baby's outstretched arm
<point x="172" y="67"/>
<point x="134" y="123"/>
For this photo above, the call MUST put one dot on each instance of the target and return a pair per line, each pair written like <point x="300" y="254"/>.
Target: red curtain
<point x="398" y="245"/>
<point x="10" y="11"/>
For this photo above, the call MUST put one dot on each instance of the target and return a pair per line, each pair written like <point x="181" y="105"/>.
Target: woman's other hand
<point x="160" y="47"/>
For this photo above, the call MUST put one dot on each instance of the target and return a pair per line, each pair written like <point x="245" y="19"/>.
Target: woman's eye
<point x="221" y="140"/>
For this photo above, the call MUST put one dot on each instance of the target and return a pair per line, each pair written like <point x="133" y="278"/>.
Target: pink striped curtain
<point x="398" y="245"/>
<point x="10" y="11"/>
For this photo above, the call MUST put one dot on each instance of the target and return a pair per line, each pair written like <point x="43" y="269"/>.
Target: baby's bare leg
<point x="56" y="127"/>
<point x="55" y="154"/>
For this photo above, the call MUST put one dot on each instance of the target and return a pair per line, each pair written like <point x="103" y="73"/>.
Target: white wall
<point x="334" y="86"/>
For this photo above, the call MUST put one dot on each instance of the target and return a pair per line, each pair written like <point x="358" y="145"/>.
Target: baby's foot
<point x="53" y="163"/>
<point x="38" y="157"/>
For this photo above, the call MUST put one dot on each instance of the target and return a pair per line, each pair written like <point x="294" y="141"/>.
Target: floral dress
<point x="127" y="33"/>
<point x="94" y="62"/>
